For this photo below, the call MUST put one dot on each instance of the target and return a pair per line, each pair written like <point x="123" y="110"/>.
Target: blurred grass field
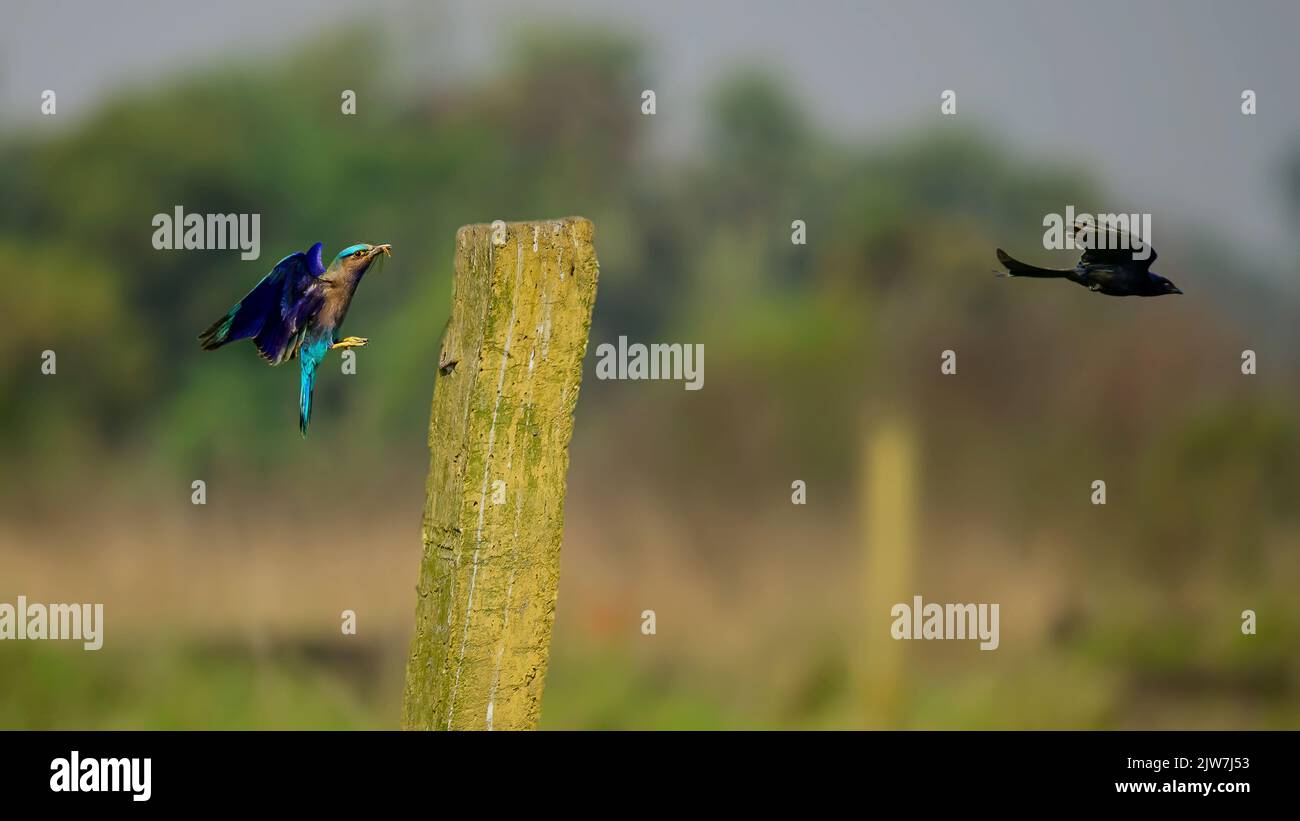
<point x="736" y="647"/>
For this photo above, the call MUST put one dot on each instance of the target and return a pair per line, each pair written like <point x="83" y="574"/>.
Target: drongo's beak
<point x="1178" y="290"/>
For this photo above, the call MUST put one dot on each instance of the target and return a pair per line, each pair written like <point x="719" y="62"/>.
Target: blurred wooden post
<point x="503" y="401"/>
<point x="888" y="479"/>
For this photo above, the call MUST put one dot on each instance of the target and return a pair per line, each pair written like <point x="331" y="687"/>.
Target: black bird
<point x="1114" y="270"/>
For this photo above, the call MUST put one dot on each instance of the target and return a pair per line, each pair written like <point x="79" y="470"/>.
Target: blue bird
<point x="297" y="310"/>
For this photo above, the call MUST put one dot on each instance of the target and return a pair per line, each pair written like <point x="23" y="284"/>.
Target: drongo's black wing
<point x="1120" y="248"/>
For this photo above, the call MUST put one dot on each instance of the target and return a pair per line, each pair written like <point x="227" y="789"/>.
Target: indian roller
<point x="1116" y="270"/>
<point x="297" y="310"/>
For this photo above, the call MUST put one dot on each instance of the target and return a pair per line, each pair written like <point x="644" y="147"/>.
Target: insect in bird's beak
<point x="386" y="250"/>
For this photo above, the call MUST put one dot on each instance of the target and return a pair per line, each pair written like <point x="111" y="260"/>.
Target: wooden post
<point x="888" y="479"/>
<point x="508" y="376"/>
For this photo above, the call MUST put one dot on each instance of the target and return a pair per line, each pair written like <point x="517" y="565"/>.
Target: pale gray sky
<point x="1146" y="94"/>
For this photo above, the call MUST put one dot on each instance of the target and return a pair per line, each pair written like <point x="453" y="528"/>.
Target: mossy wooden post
<point x="508" y="375"/>
<point x="889" y="515"/>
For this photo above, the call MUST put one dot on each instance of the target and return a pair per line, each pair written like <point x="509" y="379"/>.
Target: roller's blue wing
<point x="276" y="311"/>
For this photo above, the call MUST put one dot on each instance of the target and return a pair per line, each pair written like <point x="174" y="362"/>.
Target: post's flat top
<point x="576" y="221"/>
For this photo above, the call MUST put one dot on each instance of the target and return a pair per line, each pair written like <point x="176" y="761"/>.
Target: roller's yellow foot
<point x="350" y="342"/>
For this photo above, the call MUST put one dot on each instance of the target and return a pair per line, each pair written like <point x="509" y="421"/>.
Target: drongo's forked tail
<point x="1016" y="268"/>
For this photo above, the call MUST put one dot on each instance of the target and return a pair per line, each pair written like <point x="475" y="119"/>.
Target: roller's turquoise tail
<point x="304" y="396"/>
<point x="309" y="357"/>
